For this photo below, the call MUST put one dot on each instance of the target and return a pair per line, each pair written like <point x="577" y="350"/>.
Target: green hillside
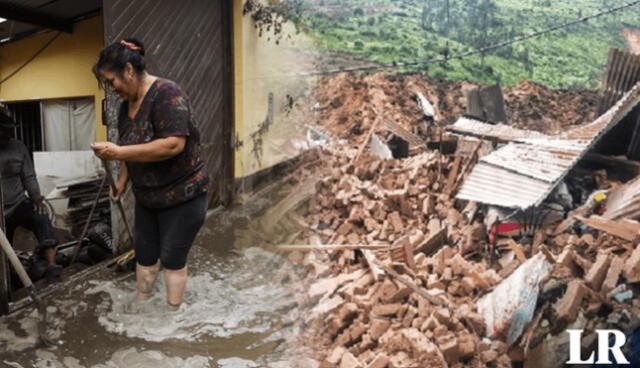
<point x="388" y="31"/>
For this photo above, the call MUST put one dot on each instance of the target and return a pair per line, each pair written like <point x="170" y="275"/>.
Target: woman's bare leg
<point x="176" y="282"/>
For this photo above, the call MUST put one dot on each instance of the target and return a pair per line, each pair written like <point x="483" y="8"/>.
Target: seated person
<point x="18" y="176"/>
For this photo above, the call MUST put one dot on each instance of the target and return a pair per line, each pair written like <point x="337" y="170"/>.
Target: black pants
<point x="38" y="224"/>
<point x="168" y="233"/>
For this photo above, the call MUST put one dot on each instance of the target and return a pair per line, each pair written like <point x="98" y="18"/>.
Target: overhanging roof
<point x="27" y="17"/>
<point x="524" y="172"/>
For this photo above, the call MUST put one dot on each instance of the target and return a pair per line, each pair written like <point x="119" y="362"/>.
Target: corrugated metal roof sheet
<point x="499" y="132"/>
<point x="523" y="173"/>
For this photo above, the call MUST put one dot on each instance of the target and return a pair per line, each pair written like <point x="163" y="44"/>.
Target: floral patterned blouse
<point x="164" y="112"/>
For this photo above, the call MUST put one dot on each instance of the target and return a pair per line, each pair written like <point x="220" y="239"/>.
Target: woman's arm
<point x="122" y="182"/>
<point x="157" y="150"/>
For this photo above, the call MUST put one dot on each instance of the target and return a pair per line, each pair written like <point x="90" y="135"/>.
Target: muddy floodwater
<point x="236" y="314"/>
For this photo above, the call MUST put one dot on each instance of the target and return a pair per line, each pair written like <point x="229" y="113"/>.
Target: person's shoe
<point x="52" y="273"/>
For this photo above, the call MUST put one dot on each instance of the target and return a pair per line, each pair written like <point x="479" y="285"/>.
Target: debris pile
<point x="400" y="274"/>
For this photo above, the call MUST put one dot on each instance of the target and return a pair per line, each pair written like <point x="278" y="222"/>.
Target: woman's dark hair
<point x="115" y="57"/>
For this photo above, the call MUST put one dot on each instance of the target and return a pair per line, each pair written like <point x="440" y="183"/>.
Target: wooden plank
<point x="627" y="230"/>
<point x="309" y="247"/>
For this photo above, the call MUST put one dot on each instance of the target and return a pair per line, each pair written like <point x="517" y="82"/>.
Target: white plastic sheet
<point x="511" y="305"/>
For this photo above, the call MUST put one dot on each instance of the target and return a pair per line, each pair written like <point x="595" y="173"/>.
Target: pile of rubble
<point x="398" y="271"/>
<point x="341" y="102"/>
<point x="400" y="274"/>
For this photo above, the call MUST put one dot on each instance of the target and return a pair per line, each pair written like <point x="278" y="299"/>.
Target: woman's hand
<point x="119" y="190"/>
<point x="106" y="150"/>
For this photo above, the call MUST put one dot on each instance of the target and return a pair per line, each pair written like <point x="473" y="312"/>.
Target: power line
<point x="464" y="55"/>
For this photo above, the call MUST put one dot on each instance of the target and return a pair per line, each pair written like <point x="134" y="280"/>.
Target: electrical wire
<point x="467" y="54"/>
<point x="44" y="47"/>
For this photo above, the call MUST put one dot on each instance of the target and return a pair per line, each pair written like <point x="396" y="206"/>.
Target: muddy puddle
<point x="236" y="312"/>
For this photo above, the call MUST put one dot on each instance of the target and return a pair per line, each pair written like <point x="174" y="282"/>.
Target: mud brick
<point x="371" y="225"/>
<point x="357" y="330"/>
<point x="335" y="355"/>
<point x="447" y="275"/>
<point x="434" y="282"/>
<point x="421" y="261"/>
<point x="378" y="327"/>
<point x="468" y="284"/>
<point x="380" y="361"/>
<point x="434" y="226"/>
<point x="343" y="318"/>
<point x="566" y="257"/>
<point x="409" y="316"/>
<point x="582" y="262"/>
<point x="353" y="238"/>
<point x="476" y="321"/>
<point x="429" y="204"/>
<point x="349" y="361"/>
<point x="459" y="265"/>
<point x="402" y="311"/>
<point x="396" y="221"/>
<point x="481" y="281"/>
<point x="597" y="272"/>
<point x="442" y="315"/>
<point x="568" y="306"/>
<point x="489" y="356"/>
<point x="424" y="307"/>
<point x="613" y="274"/>
<point x="361" y="285"/>
<point x="387" y="290"/>
<point x="632" y="266"/>
<point x="449" y="349"/>
<point x="439" y="265"/>
<point x="431" y="323"/>
<point x="455" y="289"/>
<point x="402" y="293"/>
<point x="408" y="255"/>
<point x="440" y="330"/>
<point x="386" y="309"/>
<point x="420" y="345"/>
<point x="467" y="345"/>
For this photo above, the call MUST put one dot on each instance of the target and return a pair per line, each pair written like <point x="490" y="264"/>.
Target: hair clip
<point x="130" y="45"/>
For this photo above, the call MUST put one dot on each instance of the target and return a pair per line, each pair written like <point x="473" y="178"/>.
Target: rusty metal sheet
<point x="523" y="174"/>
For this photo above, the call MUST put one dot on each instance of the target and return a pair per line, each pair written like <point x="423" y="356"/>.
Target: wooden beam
<point x="37" y="18"/>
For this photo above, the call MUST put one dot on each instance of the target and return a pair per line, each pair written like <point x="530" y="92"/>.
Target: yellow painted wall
<point x="62" y="70"/>
<point x="263" y="66"/>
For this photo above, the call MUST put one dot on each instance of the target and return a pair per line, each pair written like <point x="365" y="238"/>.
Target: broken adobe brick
<point x="353" y="238"/>
<point x="613" y="274"/>
<point x="430" y="324"/>
<point x="380" y="361"/>
<point x="378" y="327"/>
<point x="568" y="306"/>
<point x="459" y="265"/>
<point x="467" y="345"/>
<point x="396" y="221"/>
<point x="632" y="266"/>
<point x="335" y="355"/>
<point x="386" y="309"/>
<point x="449" y="348"/>
<point x="350" y="361"/>
<point x="597" y="272"/>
